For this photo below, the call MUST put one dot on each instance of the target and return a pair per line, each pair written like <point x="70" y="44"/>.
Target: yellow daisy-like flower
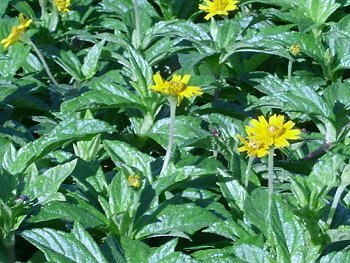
<point x="253" y="148"/>
<point x="62" y="5"/>
<point x="16" y="31"/>
<point x="177" y="86"/>
<point x="274" y="132"/>
<point x="218" y="7"/>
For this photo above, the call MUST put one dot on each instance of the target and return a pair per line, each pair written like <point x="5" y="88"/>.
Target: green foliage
<point x="83" y="137"/>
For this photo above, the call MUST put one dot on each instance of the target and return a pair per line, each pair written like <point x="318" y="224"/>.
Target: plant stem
<point x="137" y="24"/>
<point x="335" y="202"/>
<point x="290" y="68"/>
<point x="172" y="104"/>
<point x="42" y="4"/>
<point x="247" y="171"/>
<point x="270" y="175"/>
<point x="9" y="243"/>
<point x="133" y="210"/>
<point x="43" y="61"/>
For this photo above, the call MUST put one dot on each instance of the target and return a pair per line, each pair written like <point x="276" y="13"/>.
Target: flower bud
<point x="134" y="181"/>
<point x="294" y="49"/>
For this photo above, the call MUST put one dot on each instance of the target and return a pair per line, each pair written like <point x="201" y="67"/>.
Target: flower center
<point x="176" y="87"/>
<point x="253" y="145"/>
<point x="221" y="4"/>
<point x="275" y="131"/>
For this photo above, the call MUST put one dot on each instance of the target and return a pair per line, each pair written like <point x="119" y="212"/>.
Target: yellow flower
<point x="62" y="5"/>
<point x="218" y="7"/>
<point x="16" y="31"/>
<point x="134" y="181"/>
<point x="275" y="132"/>
<point x="252" y="147"/>
<point x="177" y="86"/>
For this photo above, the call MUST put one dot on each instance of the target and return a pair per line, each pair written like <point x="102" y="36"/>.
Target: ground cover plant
<point x="174" y="131"/>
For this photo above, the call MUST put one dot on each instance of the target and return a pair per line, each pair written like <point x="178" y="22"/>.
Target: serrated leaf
<point x="16" y="57"/>
<point x="39" y="188"/>
<point x="251" y="253"/>
<point x="112" y="250"/>
<point x="187" y="130"/>
<point x="3" y="7"/>
<point x="232" y="190"/>
<point x="66" y="130"/>
<point x="187" y="218"/>
<point x="228" y="228"/>
<point x="120" y="194"/>
<point x="90" y="61"/>
<point x="338" y="256"/>
<point x="101" y="99"/>
<point x="317" y="10"/>
<point x="123" y="153"/>
<point x="74" y="210"/>
<point x="71" y="64"/>
<point x="59" y="246"/>
<point x="281" y="227"/>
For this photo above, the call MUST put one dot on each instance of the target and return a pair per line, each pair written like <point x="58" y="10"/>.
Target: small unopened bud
<point x="345" y="176"/>
<point x="134" y="181"/>
<point x="294" y="49"/>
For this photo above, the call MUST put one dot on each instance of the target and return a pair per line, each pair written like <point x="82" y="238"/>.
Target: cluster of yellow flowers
<point x="16" y="31"/>
<point x="263" y="134"/>
<point x="176" y="87"/>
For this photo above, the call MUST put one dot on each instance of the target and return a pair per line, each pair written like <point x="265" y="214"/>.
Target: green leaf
<point x="15" y="58"/>
<point x="90" y="61"/>
<point x="71" y="64"/>
<point x="66" y="130"/>
<point x="124" y="153"/>
<point x="74" y="209"/>
<point x="187" y="131"/>
<point x="338" y="256"/>
<point x="59" y="246"/>
<point x="251" y="253"/>
<point x="232" y="190"/>
<point x="180" y="28"/>
<point x="3" y="7"/>
<point x="120" y="194"/>
<point x="39" y="188"/>
<point x="282" y="228"/>
<point x="325" y="171"/>
<point x="187" y="218"/>
<point x="229" y="229"/>
<point x="8" y="184"/>
<point x="137" y="251"/>
<point x="317" y="10"/>
<point x="112" y="250"/>
<point x="103" y="99"/>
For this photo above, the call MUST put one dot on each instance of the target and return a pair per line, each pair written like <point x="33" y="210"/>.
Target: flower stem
<point x="42" y="4"/>
<point x="247" y="171"/>
<point x="172" y="104"/>
<point x="43" y="61"/>
<point x="137" y="24"/>
<point x="290" y="68"/>
<point x="133" y="210"/>
<point x="335" y="202"/>
<point x="270" y="175"/>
